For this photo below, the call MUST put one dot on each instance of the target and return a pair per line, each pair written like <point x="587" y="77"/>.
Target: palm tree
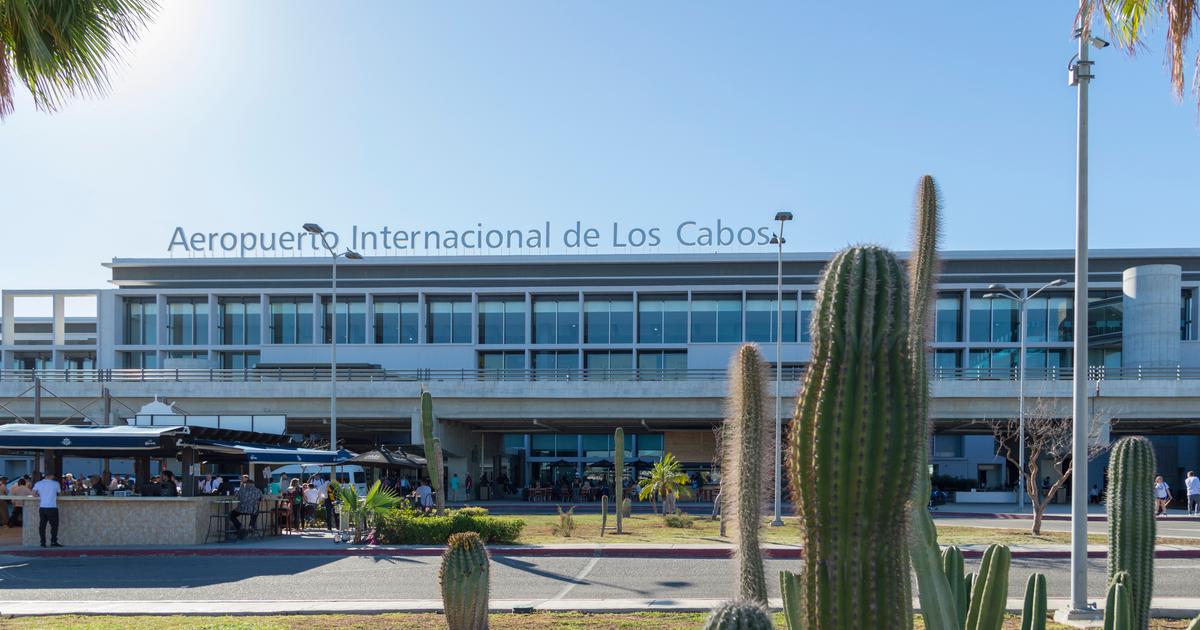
<point x="666" y="476"/>
<point x="362" y="509"/>
<point x="1129" y="22"/>
<point x="63" y="48"/>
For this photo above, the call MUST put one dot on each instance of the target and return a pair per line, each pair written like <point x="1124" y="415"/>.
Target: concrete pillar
<point x="1150" y="334"/>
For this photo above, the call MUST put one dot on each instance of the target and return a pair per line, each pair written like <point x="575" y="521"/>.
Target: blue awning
<point x="85" y="438"/>
<point x="264" y="454"/>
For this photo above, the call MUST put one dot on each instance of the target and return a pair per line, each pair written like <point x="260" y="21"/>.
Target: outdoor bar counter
<point x="89" y="521"/>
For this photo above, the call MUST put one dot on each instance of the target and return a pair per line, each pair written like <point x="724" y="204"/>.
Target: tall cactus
<point x="748" y="441"/>
<point x="1131" y="525"/>
<point x="1033" y="612"/>
<point x="739" y="616"/>
<point x="933" y="587"/>
<point x="789" y="588"/>
<point x="433" y="451"/>
<point x="603" y="513"/>
<point x="856" y="427"/>
<point x="464" y="580"/>
<point x="619" y="477"/>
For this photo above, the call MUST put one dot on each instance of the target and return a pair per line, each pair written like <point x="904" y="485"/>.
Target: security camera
<point x="1099" y="43"/>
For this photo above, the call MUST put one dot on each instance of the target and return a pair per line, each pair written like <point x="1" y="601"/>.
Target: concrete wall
<point x="1150" y="336"/>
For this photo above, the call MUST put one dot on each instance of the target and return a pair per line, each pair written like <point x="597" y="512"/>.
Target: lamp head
<point x="989" y="296"/>
<point x="313" y="228"/>
<point x="1057" y="282"/>
<point x="775" y="240"/>
<point x="353" y="255"/>
<point x="783" y="215"/>
<point x="996" y="287"/>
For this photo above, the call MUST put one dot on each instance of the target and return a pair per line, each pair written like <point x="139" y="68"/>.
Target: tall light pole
<point x="1001" y="291"/>
<point x="777" y="239"/>
<point x="313" y="228"/>
<point x="1080" y="74"/>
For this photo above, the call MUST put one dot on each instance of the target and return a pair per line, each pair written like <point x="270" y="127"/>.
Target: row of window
<point x="1035" y="358"/>
<point x="555" y="320"/>
<point x="587" y="445"/>
<point x="666" y="363"/>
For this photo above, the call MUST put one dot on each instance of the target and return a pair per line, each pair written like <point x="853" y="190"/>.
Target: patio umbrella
<point x="601" y="463"/>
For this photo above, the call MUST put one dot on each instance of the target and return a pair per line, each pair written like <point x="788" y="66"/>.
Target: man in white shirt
<point x="425" y="496"/>
<point x="215" y="486"/>
<point x="1192" y="483"/>
<point x="47" y="491"/>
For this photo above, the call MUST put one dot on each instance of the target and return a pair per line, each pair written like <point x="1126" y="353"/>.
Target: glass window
<point x="946" y="360"/>
<point x="239" y="360"/>
<point x="1185" y="316"/>
<point x="139" y="360"/>
<point x="662" y="364"/>
<point x="556" y="320"/>
<point x="397" y="320"/>
<point x="716" y="318"/>
<point x="241" y="318"/>
<point x="502" y="364"/>
<point x="662" y="319"/>
<point x="514" y="443"/>
<point x="606" y="364"/>
<point x="1105" y="314"/>
<point x="561" y="364"/>
<point x="449" y="320"/>
<point x="947" y="446"/>
<point x="761" y="312"/>
<point x="598" y="446"/>
<point x="650" y="445"/>
<point x="608" y="319"/>
<point x="1060" y="311"/>
<point x="292" y="320"/>
<point x="1006" y="320"/>
<point x="949" y="318"/>
<point x="351" y="319"/>
<point x="33" y="361"/>
<point x="554" y="445"/>
<point x="141" y="321"/>
<point x="502" y="320"/>
<point x="1036" y="314"/>
<point x="981" y="319"/>
<point x="187" y="323"/>
<point x="806" y="310"/>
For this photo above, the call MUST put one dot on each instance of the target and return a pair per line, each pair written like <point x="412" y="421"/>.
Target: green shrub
<point x="679" y="519"/>
<point x="401" y="528"/>
<point x="472" y="510"/>
<point x="566" y="523"/>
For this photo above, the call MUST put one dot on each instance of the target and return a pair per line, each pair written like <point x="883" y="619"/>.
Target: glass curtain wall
<point x="716" y="318"/>
<point x="241" y="319"/>
<point x="556" y="320"/>
<point x="662" y="319"/>
<point x="660" y="365"/>
<point x="608" y="319"/>
<point x="141" y="321"/>
<point x="292" y="320"/>
<point x="761" y="313"/>
<point x="449" y="320"/>
<point x="397" y="320"/>
<point x="187" y="323"/>
<point x="502" y="320"/>
<point x="555" y="364"/>
<point x="351" y="319"/>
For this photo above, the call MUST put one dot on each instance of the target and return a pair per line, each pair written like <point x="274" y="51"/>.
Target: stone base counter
<point x="85" y="521"/>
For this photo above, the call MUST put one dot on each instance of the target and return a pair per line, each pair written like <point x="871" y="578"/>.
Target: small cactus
<point x="464" y="580"/>
<point x="1033" y="613"/>
<point x="990" y="593"/>
<point x="739" y="616"/>
<point x="603" y="513"/>
<point x="433" y="451"/>
<point x="953" y="567"/>
<point x="745" y="445"/>
<point x="1118" y="609"/>
<point x="626" y="510"/>
<point x="1131" y="525"/>
<point x="789" y="587"/>
<point x="619" y="467"/>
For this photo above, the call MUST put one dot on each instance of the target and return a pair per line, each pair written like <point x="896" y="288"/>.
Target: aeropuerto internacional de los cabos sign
<point x="547" y="237"/>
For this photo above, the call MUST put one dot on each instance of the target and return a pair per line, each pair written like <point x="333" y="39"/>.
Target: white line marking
<point x="587" y="568"/>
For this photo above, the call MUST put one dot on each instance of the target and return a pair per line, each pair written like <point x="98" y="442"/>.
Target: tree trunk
<point x="1038" y="510"/>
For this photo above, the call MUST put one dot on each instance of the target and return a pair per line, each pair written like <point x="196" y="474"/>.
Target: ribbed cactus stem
<point x="464" y="580"/>
<point x="789" y="588"/>
<point x="953" y="567"/>
<point x="990" y="592"/>
<point x="433" y="451"/>
<point x="619" y="467"/>
<point x="603" y="513"/>
<point x="739" y="616"/>
<point x="856" y="427"/>
<point x="1131" y="525"/>
<point x="1118" y="609"/>
<point x="626" y="507"/>
<point x="747" y="442"/>
<point x="1033" y="612"/>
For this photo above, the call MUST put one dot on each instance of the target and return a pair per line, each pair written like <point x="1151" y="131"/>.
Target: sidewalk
<point x="1170" y="607"/>
<point x="1054" y="512"/>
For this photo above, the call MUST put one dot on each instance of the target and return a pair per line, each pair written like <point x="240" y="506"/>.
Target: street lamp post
<point x="782" y="217"/>
<point x="999" y="290"/>
<point x="313" y="228"/>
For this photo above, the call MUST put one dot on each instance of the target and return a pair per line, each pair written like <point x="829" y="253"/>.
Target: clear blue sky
<point x="233" y="115"/>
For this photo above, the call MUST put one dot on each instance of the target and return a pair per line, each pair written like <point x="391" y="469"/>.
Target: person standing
<point x="17" y="518"/>
<point x="1192" y="484"/>
<point x="454" y="487"/>
<point x="425" y="496"/>
<point x="4" y="501"/>
<point x="47" y="491"/>
<point x="468" y="485"/>
<point x="1162" y="496"/>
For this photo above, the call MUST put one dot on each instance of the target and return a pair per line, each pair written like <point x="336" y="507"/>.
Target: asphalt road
<point x="519" y="578"/>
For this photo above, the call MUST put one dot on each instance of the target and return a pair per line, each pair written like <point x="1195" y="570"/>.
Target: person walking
<point x="468" y="484"/>
<point x="47" y="491"/>
<point x="1192" y="485"/>
<point x="1162" y="496"/>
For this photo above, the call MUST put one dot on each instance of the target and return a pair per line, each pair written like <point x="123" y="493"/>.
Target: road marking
<point x="587" y="568"/>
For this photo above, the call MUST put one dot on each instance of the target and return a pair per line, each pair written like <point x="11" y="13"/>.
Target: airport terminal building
<point x="534" y="360"/>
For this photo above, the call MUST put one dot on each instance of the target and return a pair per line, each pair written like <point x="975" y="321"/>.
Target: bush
<point x="405" y="528"/>
<point x="949" y="483"/>
<point x="679" y="519"/>
<point x="566" y="523"/>
<point x="472" y="511"/>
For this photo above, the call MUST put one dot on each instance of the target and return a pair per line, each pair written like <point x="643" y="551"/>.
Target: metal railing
<point x="360" y="374"/>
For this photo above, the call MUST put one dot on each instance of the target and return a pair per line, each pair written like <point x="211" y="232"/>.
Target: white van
<point x="345" y="474"/>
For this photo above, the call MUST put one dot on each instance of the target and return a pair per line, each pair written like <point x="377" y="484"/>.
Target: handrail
<point x="360" y="374"/>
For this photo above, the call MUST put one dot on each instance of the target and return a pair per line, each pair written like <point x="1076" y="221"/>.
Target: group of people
<point x="1163" y="496"/>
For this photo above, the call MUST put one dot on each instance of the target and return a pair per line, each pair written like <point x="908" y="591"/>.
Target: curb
<point x="1047" y="517"/>
<point x="704" y="553"/>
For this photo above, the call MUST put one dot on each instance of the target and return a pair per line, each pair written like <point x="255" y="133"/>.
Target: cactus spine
<point x="1131" y="525"/>
<point x="1033" y="613"/>
<point x="739" y="616"/>
<point x="856" y="427"/>
<point x="934" y="588"/>
<point x="789" y="587"/>
<point x="748" y="442"/>
<point x="990" y="593"/>
<point x="619" y="477"/>
<point x="464" y="579"/>
<point x="1118" y="610"/>
<point x="433" y="451"/>
<point x="603" y="513"/>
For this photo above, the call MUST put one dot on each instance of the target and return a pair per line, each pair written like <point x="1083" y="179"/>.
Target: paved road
<point x="518" y="578"/>
<point x="1166" y="527"/>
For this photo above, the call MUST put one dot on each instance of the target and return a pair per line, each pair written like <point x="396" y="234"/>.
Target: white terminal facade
<point x="534" y="360"/>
